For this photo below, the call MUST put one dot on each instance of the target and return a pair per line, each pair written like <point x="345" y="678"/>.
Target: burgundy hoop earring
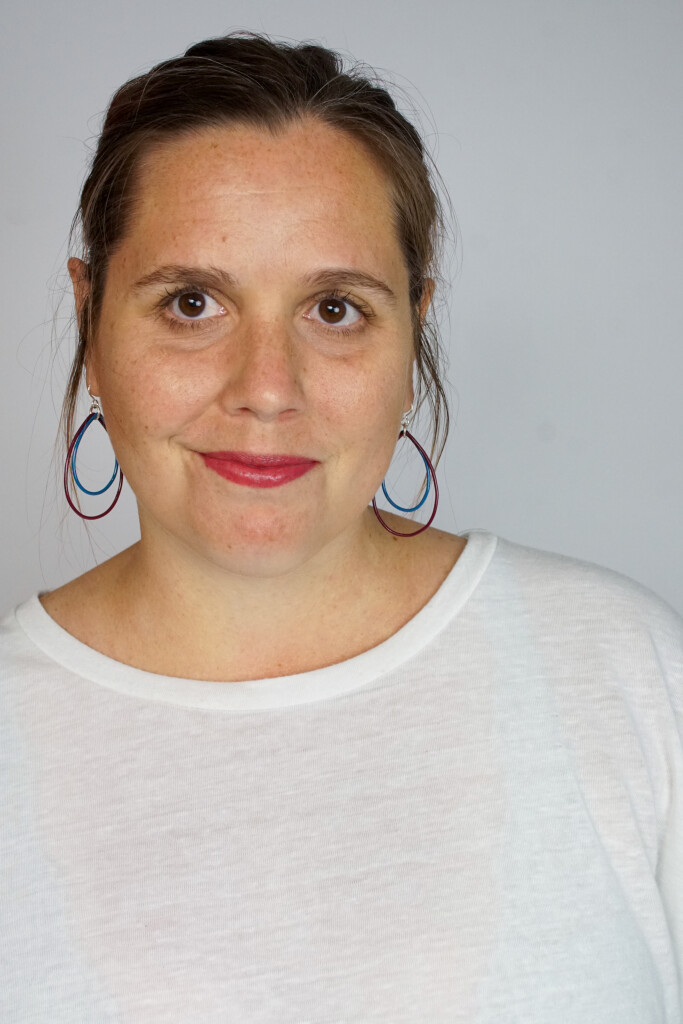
<point x="95" y="415"/>
<point x="404" y="432"/>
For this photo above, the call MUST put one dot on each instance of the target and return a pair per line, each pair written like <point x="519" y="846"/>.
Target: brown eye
<point x="191" y="304"/>
<point x="332" y="310"/>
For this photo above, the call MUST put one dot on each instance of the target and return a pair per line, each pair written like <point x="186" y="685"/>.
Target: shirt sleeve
<point x="667" y="640"/>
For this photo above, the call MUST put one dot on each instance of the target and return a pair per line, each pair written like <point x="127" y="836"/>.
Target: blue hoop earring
<point x="430" y="470"/>
<point x="94" y="415"/>
<point x="431" y="475"/>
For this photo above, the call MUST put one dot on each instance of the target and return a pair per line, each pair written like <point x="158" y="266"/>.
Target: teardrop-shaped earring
<point x="70" y="471"/>
<point x="431" y="478"/>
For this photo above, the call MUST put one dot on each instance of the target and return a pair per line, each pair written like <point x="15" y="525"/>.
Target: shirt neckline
<point x="281" y="691"/>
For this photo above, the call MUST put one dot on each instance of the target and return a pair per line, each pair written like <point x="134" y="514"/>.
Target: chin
<point x="260" y="544"/>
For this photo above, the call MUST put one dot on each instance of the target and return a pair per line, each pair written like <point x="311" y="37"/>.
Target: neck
<point x="185" y="615"/>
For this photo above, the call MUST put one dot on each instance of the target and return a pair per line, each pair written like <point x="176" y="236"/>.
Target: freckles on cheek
<point x="365" y="400"/>
<point x="164" y="399"/>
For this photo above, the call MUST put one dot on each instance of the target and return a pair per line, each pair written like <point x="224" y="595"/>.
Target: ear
<point x="79" y="272"/>
<point x="410" y="388"/>
<point x="427" y="296"/>
<point x="425" y="301"/>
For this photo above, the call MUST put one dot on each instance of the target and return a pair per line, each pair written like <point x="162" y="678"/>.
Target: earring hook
<point x="406" y="420"/>
<point x="94" y="402"/>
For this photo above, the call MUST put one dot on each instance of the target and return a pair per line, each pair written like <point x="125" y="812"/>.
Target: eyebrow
<point x="332" y="276"/>
<point x="211" y="276"/>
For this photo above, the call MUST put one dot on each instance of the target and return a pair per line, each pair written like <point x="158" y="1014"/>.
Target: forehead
<point x="309" y="190"/>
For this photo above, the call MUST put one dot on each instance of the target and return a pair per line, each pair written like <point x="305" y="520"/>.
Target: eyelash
<point x="339" y="296"/>
<point x="197" y="325"/>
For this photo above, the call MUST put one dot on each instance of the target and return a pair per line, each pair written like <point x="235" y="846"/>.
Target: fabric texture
<point x="480" y="820"/>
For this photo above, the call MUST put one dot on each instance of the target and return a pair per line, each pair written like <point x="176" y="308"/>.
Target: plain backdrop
<point x="558" y="128"/>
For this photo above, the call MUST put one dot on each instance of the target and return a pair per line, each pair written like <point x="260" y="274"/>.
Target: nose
<point x="264" y="375"/>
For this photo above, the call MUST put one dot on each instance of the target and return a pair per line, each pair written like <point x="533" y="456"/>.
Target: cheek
<point x="370" y="393"/>
<point x="156" y="395"/>
<point x="362" y="409"/>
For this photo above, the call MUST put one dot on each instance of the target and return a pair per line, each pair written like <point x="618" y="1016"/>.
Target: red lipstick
<point x="252" y="470"/>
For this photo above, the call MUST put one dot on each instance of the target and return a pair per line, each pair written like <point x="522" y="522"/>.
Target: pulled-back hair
<point x="247" y="78"/>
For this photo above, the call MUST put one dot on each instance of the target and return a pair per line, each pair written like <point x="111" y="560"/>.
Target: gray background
<point x="557" y="126"/>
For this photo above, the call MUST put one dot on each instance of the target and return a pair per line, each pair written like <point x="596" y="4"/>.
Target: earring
<point x="431" y="476"/>
<point x="95" y="414"/>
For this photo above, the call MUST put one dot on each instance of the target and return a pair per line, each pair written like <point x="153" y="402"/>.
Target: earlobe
<point x="90" y="373"/>
<point x="410" y="389"/>
<point x="91" y="380"/>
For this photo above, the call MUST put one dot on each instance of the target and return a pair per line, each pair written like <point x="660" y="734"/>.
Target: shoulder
<point x="570" y="596"/>
<point x="561" y="577"/>
<point x="15" y="640"/>
<point x="11" y="632"/>
<point x="21" y="660"/>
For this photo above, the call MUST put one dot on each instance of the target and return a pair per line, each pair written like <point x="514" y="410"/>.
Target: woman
<point x="291" y="757"/>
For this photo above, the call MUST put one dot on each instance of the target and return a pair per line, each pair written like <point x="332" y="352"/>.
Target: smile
<point x="251" y="470"/>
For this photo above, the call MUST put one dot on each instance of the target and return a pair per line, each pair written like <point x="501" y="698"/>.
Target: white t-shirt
<point x="480" y="820"/>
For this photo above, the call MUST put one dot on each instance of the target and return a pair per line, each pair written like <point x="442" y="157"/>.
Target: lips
<point x="251" y="469"/>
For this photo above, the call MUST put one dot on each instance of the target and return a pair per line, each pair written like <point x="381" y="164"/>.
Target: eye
<point x="194" y="305"/>
<point x="334" y="311"/>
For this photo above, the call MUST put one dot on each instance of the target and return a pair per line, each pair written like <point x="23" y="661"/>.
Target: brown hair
<point x="248" y="78"/>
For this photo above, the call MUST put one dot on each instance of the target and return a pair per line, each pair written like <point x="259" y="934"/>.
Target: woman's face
<point x="258" y="306"/>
